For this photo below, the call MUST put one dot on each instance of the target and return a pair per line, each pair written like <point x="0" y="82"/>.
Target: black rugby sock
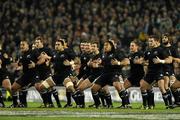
<point x="82" y="99"/>
<point x="127" y="97"/>
<point x="144" y="98"/>
<point x="1" y="100"/>
<point x="96" y="99"/>
<point x="102" y="97"/>
<point x="22" y="97"/>
<point x="176" y="95"/>
<point x="165" y="98"/>
<point x="124" y="97"/>
<point x="68" y="96"/>
<point x="108" y="100"/>
<point x="151" y="98"/>
<point x="169" y="96"/>
<point x="55" y="94"/>
<point x="49" y="98"/>
<point x="14" y="99"/>
<point x="44" y="98"/>
<point x="76" y="99"/>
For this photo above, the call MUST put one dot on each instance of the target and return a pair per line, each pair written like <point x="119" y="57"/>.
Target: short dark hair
<point x="25" y="40"/>
<point x="166" y="34"/>
<point x="136" y="42"/>
<point x="41" y="38"/>
<point x="61" y="41"/>
<point x="96" y="42"/>
<point x="156" y="37"/>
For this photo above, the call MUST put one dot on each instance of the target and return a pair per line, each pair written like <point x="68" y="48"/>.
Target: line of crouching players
<point x="93" y="68"/>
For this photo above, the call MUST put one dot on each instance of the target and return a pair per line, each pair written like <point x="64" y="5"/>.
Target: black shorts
<point x="84" y="73"/>
<point x="93" y="77"/>
<point x="169" y="73"/>
<point x="94" y="74"/>
<point x="178" y="77"/>
<point x="3" y="75"/>
<point x="151" y="77"/>
<point x="135" y="79"/>
<point x="84" y="76"/>
<point x="28" y="80"/>
<point x="59" y="78"/>
<point x="44" y="75"/>
<point x="108" y="79"/>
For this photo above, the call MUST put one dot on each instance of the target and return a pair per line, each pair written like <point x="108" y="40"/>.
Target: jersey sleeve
<point x="164" y="53"/>
<point x="71" y="54"/>
<point x="146" y="54"/>
<point x="121" y="55"/>
<point x="175" y="53"/>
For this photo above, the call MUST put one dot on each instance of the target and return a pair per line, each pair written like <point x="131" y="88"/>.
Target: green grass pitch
<point x="35" y="113"/>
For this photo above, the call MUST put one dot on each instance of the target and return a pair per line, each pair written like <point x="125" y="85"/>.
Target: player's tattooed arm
<point x="167" y="60"/>
<point x="138" y="60"/>
<point x="123" y="62"/>
<point x="176" y="60"/>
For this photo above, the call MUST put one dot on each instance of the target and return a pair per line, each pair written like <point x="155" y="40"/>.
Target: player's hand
<point x="157" y="60"/>
<point x="137" y="61"/>
<point x="31" y="65"/>
<point x="89" y="62"/>
<point x="16" y="66"/>
<point x="45" y="56"/>
<point x="176" y="60"/>
<point x="99" y="61"/>
<point x="5" y="55"/>
<point x="66" y="63"/>
<point x="95" y="65"/>
<point x="115" y="62"/>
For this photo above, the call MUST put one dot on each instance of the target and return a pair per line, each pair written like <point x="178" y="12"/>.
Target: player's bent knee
<point x="66" y="80"/>
<point x="50" y="81"/>
<point x="69" y="84"/>
<point x="6" y="83"/>
<point x="45" y="84"/>
<point x="37" y="86"/>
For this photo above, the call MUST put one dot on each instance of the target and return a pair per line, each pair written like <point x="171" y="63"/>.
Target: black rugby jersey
<point x="97" y="70"/>
<point x="136" y="68"/>
<point x="25" y="59"/>
<point x="85" y="57"/>
<point x="59" y="57"/>
<point x="154" y="53"/>
<point x="172" y="52"/>
<point x="106" y="61"/>
<point x="4" y="59"/>
<point x="43" y="68"/>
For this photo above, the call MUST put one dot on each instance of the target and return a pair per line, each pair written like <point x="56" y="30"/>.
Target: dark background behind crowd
<point x="87" y="20"/>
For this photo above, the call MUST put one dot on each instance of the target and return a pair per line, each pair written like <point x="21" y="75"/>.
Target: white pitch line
<point x="148" y="116"/>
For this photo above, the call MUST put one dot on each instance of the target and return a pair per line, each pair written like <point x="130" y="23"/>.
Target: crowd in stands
<point x="90" y="20"/>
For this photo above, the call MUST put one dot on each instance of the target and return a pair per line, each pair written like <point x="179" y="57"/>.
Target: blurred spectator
<point x="123" y="20"/>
